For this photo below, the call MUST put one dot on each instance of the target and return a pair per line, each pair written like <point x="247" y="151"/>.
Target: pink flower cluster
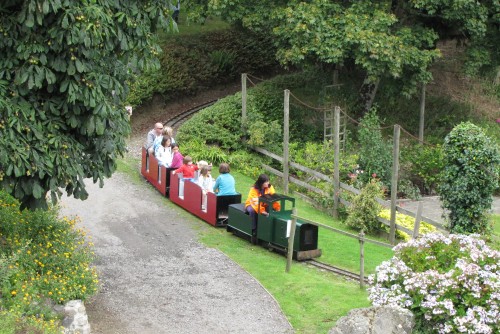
<point x="461" y="296"/>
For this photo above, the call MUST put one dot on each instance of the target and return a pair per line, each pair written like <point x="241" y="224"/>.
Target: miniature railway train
<point x="228" y="211"/>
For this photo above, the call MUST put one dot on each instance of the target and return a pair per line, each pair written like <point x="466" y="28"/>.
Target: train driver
<point x="261" y="187"/>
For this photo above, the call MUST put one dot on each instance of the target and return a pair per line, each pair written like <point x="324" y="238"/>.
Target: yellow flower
<point x="13" y="293"/>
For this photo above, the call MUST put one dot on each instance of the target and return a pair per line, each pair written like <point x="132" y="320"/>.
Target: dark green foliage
<point x="218" y="125"/>
<point x="375" y="154"/>
<point x="441" y="113"/>
<point x="191" y="62"/>
<point x="422" y="164"/>
<point x="469" y="178"/>
<point x="268" y="100"/>
<point x="198" y="150"/>
<point x="320" y="157"/>
<point x="63" y="66"/>
<point x="364" y="208"/>
<point x="248" y="163"/>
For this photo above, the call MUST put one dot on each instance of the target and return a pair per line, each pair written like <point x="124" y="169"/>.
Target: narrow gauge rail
<point x="177" y="120"/>
<point x="336" y="270"/>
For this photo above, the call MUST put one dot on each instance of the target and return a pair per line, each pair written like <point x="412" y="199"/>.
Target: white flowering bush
<point x="451" y="283"/>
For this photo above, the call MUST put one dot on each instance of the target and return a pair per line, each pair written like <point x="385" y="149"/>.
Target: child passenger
<point x="187" y="169"/>
<point x="205" y="181"/>
<point x="224" y="184"/>
<point x="177" y="157"/>
<point x="164" y="152"/>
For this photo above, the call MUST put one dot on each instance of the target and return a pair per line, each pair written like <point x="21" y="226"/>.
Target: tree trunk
<point x="497" y="78"/>
<point x="367" y="95"/>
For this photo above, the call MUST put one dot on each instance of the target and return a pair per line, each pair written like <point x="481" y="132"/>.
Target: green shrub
<point x="422" y="164"/>
<point x="219" y="125"/>
<point x="247" y="163"/>
<point x="364" y="209"/>
<point x="375" y="154"/>
<point x="44" y="258"/>
<point x="267" y="105"/>
<point x="200" y="151"/>
<point x="406" y="189"/>
<point x="266" y="134"/>
<point x="319" y="156"/>
<point x="223" y="61"/>
<point x="469" y="178"/>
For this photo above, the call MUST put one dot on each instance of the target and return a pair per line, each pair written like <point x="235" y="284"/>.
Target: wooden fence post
<point x="336" y="177"/>
<point x="422" y="116"/>
<point x="418" y="217"/>
<point x="394" y="182"/>
<point x="286" y="138"/>
<point x="243" y="101"/>
<point x="361" y="259"/>
<point x="291" y="238"/>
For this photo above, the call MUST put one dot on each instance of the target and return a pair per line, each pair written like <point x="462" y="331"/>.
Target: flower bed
<point x="408" y="222"/>
<point x="43" y="260"/>
<point x="451" y="283"/>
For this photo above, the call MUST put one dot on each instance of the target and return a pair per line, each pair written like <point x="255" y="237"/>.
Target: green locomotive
<point x="273" y="230"/>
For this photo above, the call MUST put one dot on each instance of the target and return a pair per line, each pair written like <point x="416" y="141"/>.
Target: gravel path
<point x="432" y="207"/>
<point x="156" y="277"/>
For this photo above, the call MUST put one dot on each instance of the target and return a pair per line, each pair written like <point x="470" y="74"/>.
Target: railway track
<point x="177" y="120"/>
<point x="335" y="270"/>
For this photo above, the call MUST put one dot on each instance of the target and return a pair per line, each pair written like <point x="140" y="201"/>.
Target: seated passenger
<point x="224" y="184"/>
<point x="200" y="164"/>
<point x="167" y="131"/>
<point x="177" y="157"/>
<point x="187" y="169"/>
<point x="205" y="181"/>
<point x="164" y="152"/>
<point x="153" y="134"/>
<point x="260" y="188"/>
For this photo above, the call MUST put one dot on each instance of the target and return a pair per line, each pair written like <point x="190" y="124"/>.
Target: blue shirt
<point x="225" y="184"/>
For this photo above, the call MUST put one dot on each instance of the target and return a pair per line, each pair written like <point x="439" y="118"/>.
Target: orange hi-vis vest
<point x="253" y="200"/>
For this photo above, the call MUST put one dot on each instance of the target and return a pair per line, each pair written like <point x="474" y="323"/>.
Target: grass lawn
<point x="189" y="28"/>
<point x="495" y="239"/>
<point x="338" y="250"/>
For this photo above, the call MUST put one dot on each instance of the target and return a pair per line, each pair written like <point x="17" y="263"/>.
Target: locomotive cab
<point x="272" y="229"/>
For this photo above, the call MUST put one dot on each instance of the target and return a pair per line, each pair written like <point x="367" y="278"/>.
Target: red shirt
<point x="187" y="170"/>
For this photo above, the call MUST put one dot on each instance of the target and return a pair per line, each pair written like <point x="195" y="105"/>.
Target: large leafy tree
<point x="63" y="68"/>
<point x="382" y="38"/>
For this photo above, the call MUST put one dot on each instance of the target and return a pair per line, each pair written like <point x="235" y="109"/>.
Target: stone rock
<point x="375" y="320"/>
<point x="75" y="317"/>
